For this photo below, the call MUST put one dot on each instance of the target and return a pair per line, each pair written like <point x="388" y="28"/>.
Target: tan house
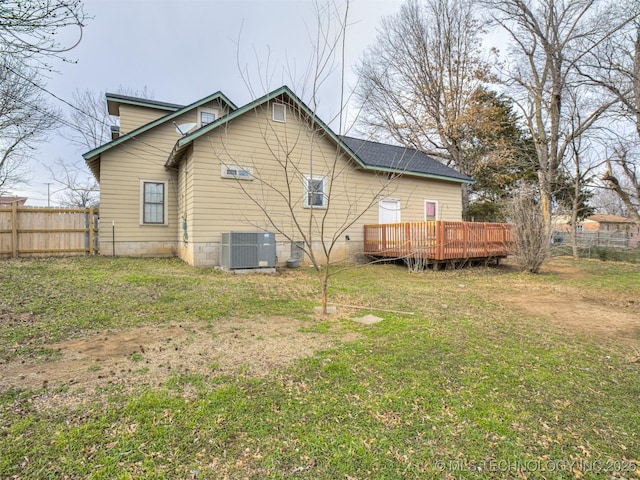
<point x="609" y="223"/>
<point x="176" y="180"/>
<point x="622" y="229"/>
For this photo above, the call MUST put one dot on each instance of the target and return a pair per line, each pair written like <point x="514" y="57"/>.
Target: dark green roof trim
<point x="250" y="106"/>
<point x="143" y="102"/>
<point x="418" y="174"/>
<point x="284" y="90"/>
<point x="144" y="128"/>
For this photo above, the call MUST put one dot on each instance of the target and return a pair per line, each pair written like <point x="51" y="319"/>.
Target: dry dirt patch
<point x="576" y="314"/>
<point x="572" y="309"/>
<point x="149" y="355"/>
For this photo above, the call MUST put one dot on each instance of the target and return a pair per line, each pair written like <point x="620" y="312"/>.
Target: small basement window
<point x="239" y="172"/>
<point x="279" y="112"/>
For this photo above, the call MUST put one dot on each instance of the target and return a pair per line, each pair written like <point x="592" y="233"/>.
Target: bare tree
<point x="32" y="31"/>
<point x="574" y="186"/>
<point x="79" y="187"/>
<point x="531" y="237"/>
<point x="298" y="155"/>
<point x="30" y="36"/>
<point x="550" y="41"/>
<point x="615" y="64"/>
<point x="89" y="123"/>
<point x="88" y="127"/>
<point x="317" y="219"/>
<point x="623" y="177"/>
<point x="615" y="67"/>
<point x="417" y="80"/>
<point x="12" y="174"/>
<point x="575" y="193"/>
<point x="25" y="117"/>
<point x="606" y="201"/>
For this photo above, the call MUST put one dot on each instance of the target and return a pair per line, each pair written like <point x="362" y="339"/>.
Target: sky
<point x="184" y="50"/>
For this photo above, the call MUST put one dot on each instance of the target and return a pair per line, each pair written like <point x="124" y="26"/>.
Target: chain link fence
<point x="598" y="244"/>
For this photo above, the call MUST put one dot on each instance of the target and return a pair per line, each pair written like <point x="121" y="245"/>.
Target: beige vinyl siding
<point x="134" y="116"/>
<point x="207" y="204"/>
<point x="216" y="105"/>
<point x="221" y="109"/>
<point x="413" y="191"/>
<point x="122" y="169"/>
<point x="142" y="159"/>
<point x="254" y="140"/>
<point x="185" y="209"/>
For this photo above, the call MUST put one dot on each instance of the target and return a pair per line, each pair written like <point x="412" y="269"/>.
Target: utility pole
<point x="48" y="184"/>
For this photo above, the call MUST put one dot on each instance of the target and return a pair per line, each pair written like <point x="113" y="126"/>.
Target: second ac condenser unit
<point x="248" y="250"/>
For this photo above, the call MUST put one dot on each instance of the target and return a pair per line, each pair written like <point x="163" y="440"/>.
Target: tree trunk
<point x="324" y="281"/>
<point x="465" y="201"/>
<point x="546" y="200"/>
<point x="574" y="232"/>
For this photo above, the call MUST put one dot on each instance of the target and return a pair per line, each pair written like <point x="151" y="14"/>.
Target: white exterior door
<point x="389" y="211"/>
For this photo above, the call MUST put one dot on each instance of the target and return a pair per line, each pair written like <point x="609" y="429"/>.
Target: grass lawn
<point x="477" y="383"/>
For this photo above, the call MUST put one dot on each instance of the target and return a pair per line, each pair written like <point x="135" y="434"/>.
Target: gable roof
<point x="394" y="158"/>
<point x="92" y="157"/>
<point x="280" y="93"/>
<point x="604" y="218"/>
<point x="115" y="99"/>
<point x="8" y="200"/>
<point x="367" y="155"/>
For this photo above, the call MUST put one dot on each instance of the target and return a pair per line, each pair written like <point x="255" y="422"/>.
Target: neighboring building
<point x="8" y="201"/>
<point x="611" y="229"/>
<point x="175" y="179"/>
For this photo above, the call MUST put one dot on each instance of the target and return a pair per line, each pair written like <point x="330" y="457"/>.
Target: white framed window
<point x="315" y="192"/>
<point x="430" y="210"/>
<point x="153" y="202"/>
<point x="279" y="113"/>
<point x="206" y="116"/>
<point x="239" y="172"/>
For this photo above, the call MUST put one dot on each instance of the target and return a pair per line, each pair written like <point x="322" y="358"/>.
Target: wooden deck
<point x="438" y="240"/>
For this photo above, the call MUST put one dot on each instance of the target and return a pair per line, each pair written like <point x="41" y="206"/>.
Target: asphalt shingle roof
<point x="408" y="160"/>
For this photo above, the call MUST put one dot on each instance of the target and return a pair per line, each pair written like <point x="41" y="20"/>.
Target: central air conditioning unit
<point x="248" y="250"/>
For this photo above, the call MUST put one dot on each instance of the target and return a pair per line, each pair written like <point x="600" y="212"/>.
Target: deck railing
<point x="438" y="240"/>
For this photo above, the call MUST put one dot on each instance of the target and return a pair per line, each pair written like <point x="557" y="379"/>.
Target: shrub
<point x="531" y="237"/>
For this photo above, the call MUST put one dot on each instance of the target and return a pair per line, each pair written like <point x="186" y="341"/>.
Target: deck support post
<point x="440" y="239"/>
<point x="14" y="229"/>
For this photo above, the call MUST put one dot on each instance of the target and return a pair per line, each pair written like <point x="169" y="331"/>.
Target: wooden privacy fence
<point x="43" y="231"/>
<point x="438" y="240"/>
